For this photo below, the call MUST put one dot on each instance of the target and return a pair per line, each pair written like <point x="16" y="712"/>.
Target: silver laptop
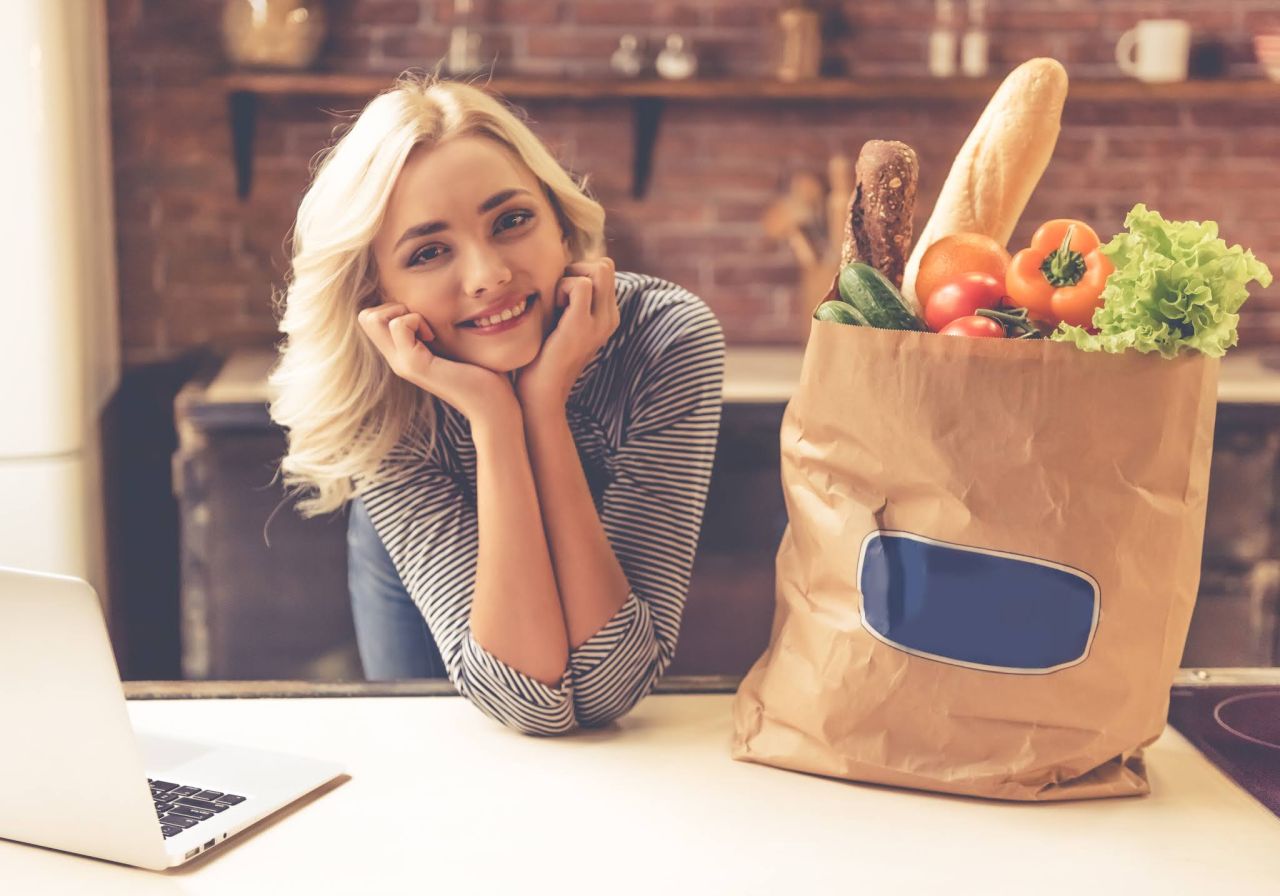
<point x="73" y="775"/>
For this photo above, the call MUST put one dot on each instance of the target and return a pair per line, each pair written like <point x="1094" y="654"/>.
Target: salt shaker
<point x="676" y="62"/>
<point x="942" y="41"/>
<point x="626" y="59"/>
<point x="974" y="44"/>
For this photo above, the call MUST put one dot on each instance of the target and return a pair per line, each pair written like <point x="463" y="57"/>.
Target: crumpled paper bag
<point x="990" y="564"/>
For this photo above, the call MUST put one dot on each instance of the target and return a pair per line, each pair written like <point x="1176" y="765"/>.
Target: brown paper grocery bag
<point x="992" y="555"/>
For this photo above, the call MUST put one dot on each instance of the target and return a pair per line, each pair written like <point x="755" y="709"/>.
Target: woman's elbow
<point x="600" y="712"/>
<point x="517" y="713"/>
<point x="601" y="719"/>
<point x="542" y="727"/>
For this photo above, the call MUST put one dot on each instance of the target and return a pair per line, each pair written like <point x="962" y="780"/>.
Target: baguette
<point x="878" y="227"/>
<point x="999" y="164"/>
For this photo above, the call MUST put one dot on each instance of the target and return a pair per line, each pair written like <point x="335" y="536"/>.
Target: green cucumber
<point x="871" y="293"/>
<point x="841" y="313"/>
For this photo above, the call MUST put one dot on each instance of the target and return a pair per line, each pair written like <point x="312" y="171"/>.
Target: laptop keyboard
<point x="181" y="806"/>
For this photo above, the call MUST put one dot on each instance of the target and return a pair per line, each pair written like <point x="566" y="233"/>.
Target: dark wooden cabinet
<point x="264" y="593"/>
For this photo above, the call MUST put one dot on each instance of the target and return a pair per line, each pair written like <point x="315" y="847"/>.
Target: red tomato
<point x="973" y="325"/>
<point x="962" y="297"/>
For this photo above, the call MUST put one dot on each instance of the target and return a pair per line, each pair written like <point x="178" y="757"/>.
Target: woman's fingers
<point x="374" y="320"/>
<point x="608" y="296"/>
<point x="424" y="331"/>
<point x="563" y="286"/>
<point x="403" y="336"/>
<point x="577" y="294"/>
<point x="600" y="272"/>
<point x="380" y="313"/>
<point x="588" y="268"/>
<point x="375" y="327"/>
<point x="400" y="335"/>
<point x="604" y="299"/>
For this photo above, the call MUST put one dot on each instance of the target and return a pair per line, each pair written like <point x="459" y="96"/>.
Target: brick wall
<point x="197" y="265"/>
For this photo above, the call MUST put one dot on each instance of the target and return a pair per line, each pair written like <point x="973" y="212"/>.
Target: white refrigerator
<point x="59" y="358"/>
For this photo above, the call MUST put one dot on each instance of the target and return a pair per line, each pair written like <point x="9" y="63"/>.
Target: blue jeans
<point x="392" y="636"/>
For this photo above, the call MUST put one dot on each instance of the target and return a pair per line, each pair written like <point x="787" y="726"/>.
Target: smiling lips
<point x="499" y="319"/>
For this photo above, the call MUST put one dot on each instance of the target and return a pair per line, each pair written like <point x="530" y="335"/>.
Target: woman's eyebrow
<point x="498" y="198"/>
<point x="420" y="230"/>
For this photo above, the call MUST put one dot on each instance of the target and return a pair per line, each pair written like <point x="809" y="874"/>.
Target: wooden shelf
<point x="647" y="97"/>
<point x="941" y="89"/>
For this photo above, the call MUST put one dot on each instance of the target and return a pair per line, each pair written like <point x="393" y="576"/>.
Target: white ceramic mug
<point x="1162" y="48"/>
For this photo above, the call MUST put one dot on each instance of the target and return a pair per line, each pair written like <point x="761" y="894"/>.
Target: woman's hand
<point x="590" y="303"/>
<point x="401" y="336"/>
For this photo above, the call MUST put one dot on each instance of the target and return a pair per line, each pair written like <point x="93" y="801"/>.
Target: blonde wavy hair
<point x="342" y="407"/>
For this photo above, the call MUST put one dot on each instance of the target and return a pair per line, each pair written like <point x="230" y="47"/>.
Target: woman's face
<point x="468" y="233"/>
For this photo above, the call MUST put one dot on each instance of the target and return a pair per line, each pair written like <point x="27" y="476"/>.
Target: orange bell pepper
<point x="1061" y="276"/>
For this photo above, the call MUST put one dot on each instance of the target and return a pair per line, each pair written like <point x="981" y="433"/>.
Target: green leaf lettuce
<point x="1176" y="286"/>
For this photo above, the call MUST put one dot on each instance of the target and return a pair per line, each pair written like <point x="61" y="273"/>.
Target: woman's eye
<point x="514" y="219"/>
<point x="425" y="254"/>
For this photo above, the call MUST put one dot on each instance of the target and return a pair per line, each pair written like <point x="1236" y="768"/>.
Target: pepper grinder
<point x="974" y="58"/>
<point x="942" y="40"/>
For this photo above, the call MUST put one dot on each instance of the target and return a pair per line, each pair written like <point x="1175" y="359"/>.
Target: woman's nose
<point x="486" y="271"/>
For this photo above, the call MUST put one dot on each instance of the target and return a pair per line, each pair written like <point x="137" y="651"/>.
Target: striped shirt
<point x="645" y="416"/>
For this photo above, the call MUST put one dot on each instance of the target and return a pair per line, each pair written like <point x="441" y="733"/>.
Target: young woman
<point x="524" y="435"/>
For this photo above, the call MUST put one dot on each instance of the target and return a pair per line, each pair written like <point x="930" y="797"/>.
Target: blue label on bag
<point x="974" y="607"/>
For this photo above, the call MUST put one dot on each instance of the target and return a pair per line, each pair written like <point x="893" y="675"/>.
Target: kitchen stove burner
<point x="1252" y="717"/>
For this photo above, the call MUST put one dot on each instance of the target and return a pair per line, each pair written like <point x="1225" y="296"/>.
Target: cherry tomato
<point x="973" y="325"/>
<point x="962" y="297"/>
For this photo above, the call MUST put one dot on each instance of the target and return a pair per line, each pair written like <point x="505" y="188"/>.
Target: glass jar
<point x="273" y="34"/>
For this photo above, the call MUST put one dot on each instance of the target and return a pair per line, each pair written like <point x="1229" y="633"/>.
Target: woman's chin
<point x="505" y="359"/>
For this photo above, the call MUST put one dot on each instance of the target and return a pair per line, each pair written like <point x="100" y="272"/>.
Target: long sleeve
<point x="652" y="508"/>
<point x="429" y="526"/>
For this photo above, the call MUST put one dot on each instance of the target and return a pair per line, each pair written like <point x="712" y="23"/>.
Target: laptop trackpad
<point x="159" y="752"/>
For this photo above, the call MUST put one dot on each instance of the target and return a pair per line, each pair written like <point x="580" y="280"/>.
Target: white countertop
<point x="763" y="375"/>
<point x="760" y="374"/>
<point x="441" y="799"/>
<point x="1250" y="376"/>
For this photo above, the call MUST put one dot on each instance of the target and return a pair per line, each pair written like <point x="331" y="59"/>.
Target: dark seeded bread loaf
<point x="878" y="229"/>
